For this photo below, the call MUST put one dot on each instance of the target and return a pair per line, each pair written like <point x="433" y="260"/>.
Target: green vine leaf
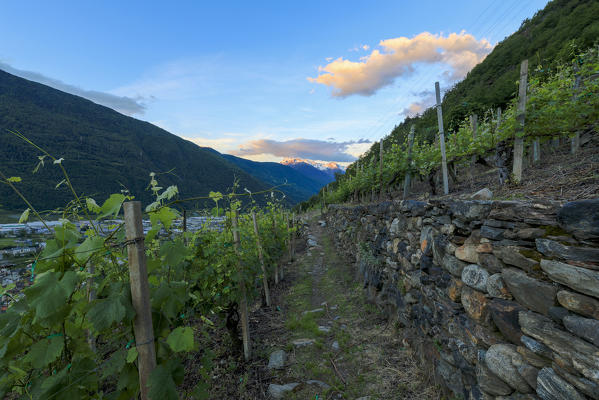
<point x="181" y="339"/>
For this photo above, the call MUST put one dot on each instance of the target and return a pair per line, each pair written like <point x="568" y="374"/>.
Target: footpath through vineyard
<point x="321" y="339"/>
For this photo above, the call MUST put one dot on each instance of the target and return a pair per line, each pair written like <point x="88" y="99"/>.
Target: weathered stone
<point x="530" y="213"/>
<point x="579" y="303"/>
<point x="278" y="391"/>
<point x="538" y="348"/>
<point x="529" y="373"/>
<point x="451" y="377"/>
<point x="583" y="356"/>
<point x="335" y="346"/>
<point x="475" y="303"/>
<point x="551" y="248"/>
<point x="467" y="252"/>
<point x="470" y="210"/>
<point x="426" y="240"/>
<point x="518" y="396"/>
<point x="529" y="233"/>
<point x="585" y="386"/>
<point x="303" y="342"/>
<point x="496" y="287"/>
<point x="492" y="233"/>
<point x="277" y="359"/>
<point x="453" y="265"/>
<point x="483" y="194"/>
<point x="414" y="208"/>
<point x="511" y="255"/>
<point x="581" y="218"/>
<point x="490" y="263"/>
<point x="489" y="382"/>
<point x="532" y="358"/>
<point x="454" y="290"/>
<point x="531" y="293"/>
<point x="505" y="317"/>
<point x="585" y="328"/>
<point x="558" y="313"/>
<point x="314" y="311"/>
<point x="552" y="387"/>
<point x="503" y="360"/>
<point x="484" y="248"/>
<point x="475" y="277"/>
<point x="321" y="384"/>
<point x="394" y="229"/>
<point x="581" y="279"/>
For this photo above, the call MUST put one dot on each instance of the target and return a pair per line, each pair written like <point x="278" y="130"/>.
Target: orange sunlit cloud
<point x="459" y="51"/>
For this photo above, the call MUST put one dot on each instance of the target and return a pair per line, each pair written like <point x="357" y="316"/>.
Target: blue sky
<point x="234" y="76"/>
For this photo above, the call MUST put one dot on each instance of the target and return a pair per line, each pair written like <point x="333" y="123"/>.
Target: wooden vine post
<point x="575" y="141"/>
<point x="474" y="127"/>
<point x="289" y="238"/>
<point x="407" y="179"/>
<point x="441" y="139"/>
<point x="261" y="258"/>
<point x="381" y="170"/>
<point x="519" y="140"/>
<point x="140" y="295"/>
<point x="243" y="303"/>
<point x="274" y="233"/>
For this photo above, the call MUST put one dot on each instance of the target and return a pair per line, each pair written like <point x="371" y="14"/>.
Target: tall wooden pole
<point x="406" y="185"/>
<point x="381" y="170"/>
<point x="243" y="303"/>
<point x="575" y="141"/>
<point x="519" y="140"/>
<point x="442" y="139"/>
<point x="274" y="233"/>
<point x="140" y="295"/>
<point x="261" y="258"/>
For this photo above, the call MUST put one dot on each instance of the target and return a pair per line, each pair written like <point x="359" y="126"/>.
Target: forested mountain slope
<point x="103" y="150"/>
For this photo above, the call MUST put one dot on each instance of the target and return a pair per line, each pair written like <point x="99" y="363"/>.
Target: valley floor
<point x="336" y="344"/>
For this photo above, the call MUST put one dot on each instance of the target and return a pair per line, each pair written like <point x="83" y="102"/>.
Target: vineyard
<point x="108" y="309"/>
<point x="559" y="103"/>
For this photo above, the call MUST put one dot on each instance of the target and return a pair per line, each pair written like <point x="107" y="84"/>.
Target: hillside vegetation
<point x="557" y="41"/>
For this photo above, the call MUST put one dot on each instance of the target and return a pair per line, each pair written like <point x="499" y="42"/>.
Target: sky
<point x="320" y="80"/>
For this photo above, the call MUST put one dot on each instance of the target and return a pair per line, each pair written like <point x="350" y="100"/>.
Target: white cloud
<point x="301" y="148"/>
<point x="123" y="104"/>
<point x="460" y="52"/>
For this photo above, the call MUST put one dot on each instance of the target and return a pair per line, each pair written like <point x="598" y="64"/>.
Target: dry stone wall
<point x="501" y="297"/>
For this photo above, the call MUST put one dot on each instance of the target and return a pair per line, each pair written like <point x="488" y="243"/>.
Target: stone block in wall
<point x="552" y="386"/>
<point x="534" y="213"/>
<point x="469" y="210"/>
<point x="586" y="328"/>
<point x="585" y="386"/>
<point x="475" y="276"/>
<point x="535" y="346"/>
<point x="492" y="233"/>
<point x="488" y="381"/>
<point x="581" y="355"/>
<point x="503" y="360"/>
<point x="453" y="265"/>
<point x="580" y="218"/>
<point x="451" y="377"/>
<point x="467" y="253"/>
<point x="580" y="279"/>
<point x="496" y="287"/>
<point x="414" y="208"/>
<point x="512" y="255"/>
<point x="581" y="304"/>
<point x="505" y="316"/>
<point x="490" y="262"/>
<point x="454" y="290"/>
<point x="476" y="305"/>
<point x="530" y="292"/>
<point x="551" y="248"/>
<point x="532" y="358"/>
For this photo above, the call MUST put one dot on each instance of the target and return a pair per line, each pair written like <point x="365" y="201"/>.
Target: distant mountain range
<point x="105" y="152"/>
<point x="322" y="173"/>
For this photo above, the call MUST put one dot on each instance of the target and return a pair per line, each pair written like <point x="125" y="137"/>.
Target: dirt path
<point x="338" y="346"/>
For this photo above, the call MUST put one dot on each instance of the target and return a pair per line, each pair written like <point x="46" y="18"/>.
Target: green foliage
<point x="561" y="101"/>
<point x="45" y="335"/>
